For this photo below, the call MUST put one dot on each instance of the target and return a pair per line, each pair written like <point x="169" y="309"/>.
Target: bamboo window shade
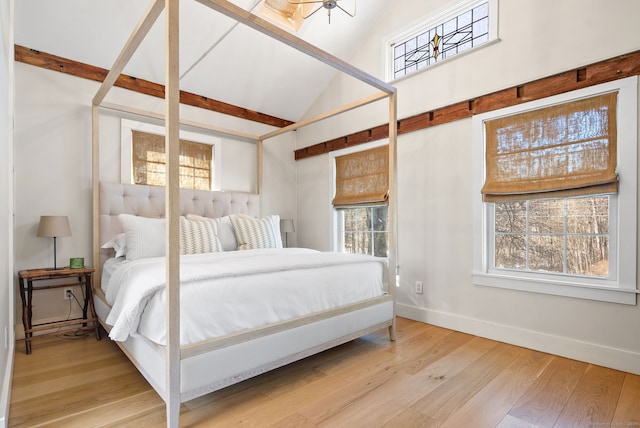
<point x="555" y="152"/>
<point x="149" y="162"/>
<point x="362" y="178"/>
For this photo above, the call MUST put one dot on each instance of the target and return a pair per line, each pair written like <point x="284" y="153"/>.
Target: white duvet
<point x="227" y="292"/>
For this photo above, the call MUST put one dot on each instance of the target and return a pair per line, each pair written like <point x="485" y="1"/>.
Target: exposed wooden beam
<point x="594" y="74"/>
<point x="86" y="71"/>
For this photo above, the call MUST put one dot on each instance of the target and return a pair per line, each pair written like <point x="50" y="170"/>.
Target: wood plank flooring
<point x="429" y="377"/>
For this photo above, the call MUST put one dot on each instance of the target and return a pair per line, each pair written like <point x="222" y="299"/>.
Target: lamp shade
<point x="286" y="226"/>
<point x="52" y="226"/>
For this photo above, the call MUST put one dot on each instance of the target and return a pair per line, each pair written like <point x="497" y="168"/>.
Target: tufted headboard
<point x="149" y="201"/>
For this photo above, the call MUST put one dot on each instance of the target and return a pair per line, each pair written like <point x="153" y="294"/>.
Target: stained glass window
<point x="435" y="42"/>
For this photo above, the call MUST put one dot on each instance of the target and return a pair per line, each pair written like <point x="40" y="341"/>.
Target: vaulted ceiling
<point x="219" y="58"/>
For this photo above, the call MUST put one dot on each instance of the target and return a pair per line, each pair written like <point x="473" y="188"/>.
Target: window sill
<point x="556" y="288"/>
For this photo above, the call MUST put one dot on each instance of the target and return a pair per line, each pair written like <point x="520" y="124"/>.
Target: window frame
<point x="337" y="240"/>
<point x="371" y="230"/>
<point x="127" y="125"/>
<point x="619" y="287"/>
<point x="613" y="247"/>
<point x="428" y="23"/>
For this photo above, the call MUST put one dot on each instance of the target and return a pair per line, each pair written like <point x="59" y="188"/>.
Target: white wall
<point x="7" y="286"/>
<point x="538" y="38"/>
<point x="53" y="166"/>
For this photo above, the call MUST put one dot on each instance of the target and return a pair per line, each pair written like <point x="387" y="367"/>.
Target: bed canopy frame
<point x="172" y="128"/>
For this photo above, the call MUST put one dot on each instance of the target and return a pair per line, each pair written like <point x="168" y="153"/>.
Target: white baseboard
<point x="5" y="392"/>
<point x="618" y="359"/>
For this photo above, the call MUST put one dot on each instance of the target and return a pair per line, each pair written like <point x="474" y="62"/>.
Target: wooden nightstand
<point x="89" y="320"/>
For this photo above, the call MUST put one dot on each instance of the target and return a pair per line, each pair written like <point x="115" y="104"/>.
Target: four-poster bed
<point x="180" y="371"/>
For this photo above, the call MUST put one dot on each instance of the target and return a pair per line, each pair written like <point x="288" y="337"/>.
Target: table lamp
<point x="286" y="226"/>
<point x="54" y="226"/>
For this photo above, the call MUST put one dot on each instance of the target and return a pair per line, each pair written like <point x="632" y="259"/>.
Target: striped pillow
<point x="252" y="233"/>
<point x="225" y="230"/>
<point x="198" y="236"/>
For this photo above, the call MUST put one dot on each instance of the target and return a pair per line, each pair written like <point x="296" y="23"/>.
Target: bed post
<point x="259" y="181"/>
<point x="95" y="193"/>
<point x="393" y="215"/>
<point x="172" y="124"/>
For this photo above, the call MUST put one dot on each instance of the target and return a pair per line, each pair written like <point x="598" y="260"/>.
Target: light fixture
<point x="286" y="226"/>
<point x="54" y="226"/>
<point x="326" y="4"/>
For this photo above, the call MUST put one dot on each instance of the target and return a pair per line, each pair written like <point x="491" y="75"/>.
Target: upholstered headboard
<point x="149" y="201"/>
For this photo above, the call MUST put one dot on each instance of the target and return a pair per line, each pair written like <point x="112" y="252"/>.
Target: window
<point x="554" y="218"/>
<point x="564" y="236"/>
<point x="149" y="162"/>
<point x="467" y="25"/>
<point x="199" y="151"/>
<point x="361" y="198"/>
<point x="365" y="230"/>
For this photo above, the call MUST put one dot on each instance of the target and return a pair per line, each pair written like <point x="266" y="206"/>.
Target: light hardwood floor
<point x="429" y="377"/>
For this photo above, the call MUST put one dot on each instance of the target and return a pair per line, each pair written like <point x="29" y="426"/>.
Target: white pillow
<point x="252" y="233"/>
<point x="225" y="230"/>
<point x="198" y="236"/>
<point x="118" y="243"/>
<point x="145" y="236"/>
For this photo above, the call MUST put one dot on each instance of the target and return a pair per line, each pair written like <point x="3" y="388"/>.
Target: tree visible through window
<point x="149" y="161"/>
<point x="366" y="230"/>
<point x="361" y="198"/>
<point x="556" y="205"/>
<point x="536" y="158"/>
<point x="568" y="236"/>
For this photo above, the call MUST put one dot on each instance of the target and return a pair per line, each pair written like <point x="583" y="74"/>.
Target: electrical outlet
<point x="418" y="287"/>
<point x="68" y="294"/>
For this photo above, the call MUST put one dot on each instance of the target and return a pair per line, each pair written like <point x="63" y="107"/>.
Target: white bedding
<point x="227" y="292"/>
<point x="108" y="268"/>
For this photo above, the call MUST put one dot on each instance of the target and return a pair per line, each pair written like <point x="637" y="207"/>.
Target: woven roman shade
<point x="362" y="178"/>
<point x="559" y="151"/>
<point x="148" y="161"/>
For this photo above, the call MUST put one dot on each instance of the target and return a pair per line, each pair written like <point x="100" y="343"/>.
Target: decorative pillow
<point x="118" y="243"/>
<point x="145" y="236"/>
<point x="225" y="230"/>
<point x="198" y="236"/>
<point x="252" y="233"/>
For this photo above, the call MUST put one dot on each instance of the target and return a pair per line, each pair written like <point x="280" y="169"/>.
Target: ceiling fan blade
<point x="317" y="9"/>
<point x="347" y="12"/>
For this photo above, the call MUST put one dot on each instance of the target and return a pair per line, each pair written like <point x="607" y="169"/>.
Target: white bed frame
<point x="183" y="373"/>
<point x="237" y="356"/>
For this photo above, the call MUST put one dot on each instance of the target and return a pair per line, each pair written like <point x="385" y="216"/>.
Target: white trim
<point x="426" y="23"/>
<point x="5" y="392"/>
<point x="7" y="345"/>
<point x="620" y="289"/>
<point x="618" y="359"/>
<point x="127" y="125"/>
